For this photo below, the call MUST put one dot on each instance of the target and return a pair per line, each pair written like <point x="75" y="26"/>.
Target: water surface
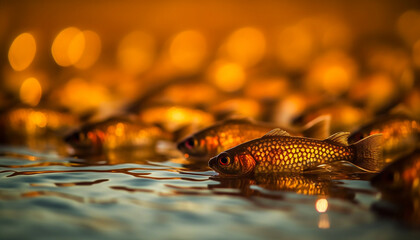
<point x="147" y="195"/>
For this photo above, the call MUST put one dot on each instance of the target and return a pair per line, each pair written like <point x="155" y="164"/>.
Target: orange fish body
<point x="232" y="132"/>
<point x="400" y="134"/>
<point x="115" y="134"/>
<point x="277" y="151"/>
<point x="401" y="176"/>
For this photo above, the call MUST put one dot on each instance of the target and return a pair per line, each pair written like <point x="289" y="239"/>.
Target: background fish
<point x="400" y="134"/>
<point x="277" y="151"/>
<point x="28" y="121"/>
<point x="399" y="184"/>
<point x="232" y="132"/>
<point x="114" y="134"/>
<point x="401" y="176"/>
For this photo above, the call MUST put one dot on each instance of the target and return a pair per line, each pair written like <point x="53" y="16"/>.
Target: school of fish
<point x="246" y="121"/>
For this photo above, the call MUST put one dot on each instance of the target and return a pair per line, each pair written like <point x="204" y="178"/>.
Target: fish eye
<point x="224" y="160"/>
<point x="190" y="143"/>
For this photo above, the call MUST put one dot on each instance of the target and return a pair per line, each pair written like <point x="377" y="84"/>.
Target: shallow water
<point x="147" y="195"/>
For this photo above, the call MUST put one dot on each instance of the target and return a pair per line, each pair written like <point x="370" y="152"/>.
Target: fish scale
<point x="278" y="151"/>
<point x="295" y="154"/>
<point x="400" y="133"/>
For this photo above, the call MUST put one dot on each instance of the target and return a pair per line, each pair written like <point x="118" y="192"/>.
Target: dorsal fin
<point x="340" y="137"/>
<point x="276" y="132"/>
<point x="318" y="128"/>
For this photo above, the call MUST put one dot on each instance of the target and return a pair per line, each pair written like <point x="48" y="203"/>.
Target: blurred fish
<point x="115" y="133"/>
<point x="277" y="151"/>
<point x="188" y="94"/>
<point x="344" y="116"/>
<point x="377" y="92"/>
<point x="400" y="134"/>
<point x="411" y="102"/>
<point x="27" y="121"/>
<point x="244" y="107"/>
<point x="173" y="118"/>
<point x="267" y="89"/>
<point x="232" y="132"/>
<point x="401" y="177"/>
<point x="405" y="209"/>
<point x="399" y="184"/>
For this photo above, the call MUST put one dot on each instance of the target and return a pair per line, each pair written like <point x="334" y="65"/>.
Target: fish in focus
<point x="277" y="151"/>
<point x="401" y="176"/>
<point x="400" y="134"/>
<point x="232" y="132"/>
<point x="115" y="133"/>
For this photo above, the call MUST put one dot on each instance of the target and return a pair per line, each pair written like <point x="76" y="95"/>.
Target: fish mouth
<point x="212" y="162"/>
<point x="180" y="147"/>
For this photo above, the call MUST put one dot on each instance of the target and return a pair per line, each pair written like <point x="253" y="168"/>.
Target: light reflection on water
<point x="44" y="195"/>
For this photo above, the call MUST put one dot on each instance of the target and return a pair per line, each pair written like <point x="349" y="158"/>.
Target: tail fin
<point x="318" y="128"/>
<point x="368" y="153"/>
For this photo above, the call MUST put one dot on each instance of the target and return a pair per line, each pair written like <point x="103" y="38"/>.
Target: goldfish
<point x="278" y="151"/>
<point x="231" y="132"/>
<point x="400" y="134"/>
<point x="401" y="176"/>
<point x="115" y="133"/>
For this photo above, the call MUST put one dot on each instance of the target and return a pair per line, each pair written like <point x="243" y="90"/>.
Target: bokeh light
<point x="173" y="118"/>
<point x="68" y="46"/>
<point x="246" y="46"/>
<point x="324" y="221"/>
<point x="271" y="88"/>
<point x="22" y="51"/>
<point x="91" y="51"/>
<point x="188" y="50"/>
<point x="321" y="205"/>
<point x="295" y="47"/>
<point x="332" y="72"/>
<point x="228" y="76"/>
<point x="408" y="25"/>
<point x="375" y="91"/>
<point x="416" y="54"/>
<point x="31" y="91"/>
<point x="136" y="52"/>
<point x="80" y="95"/>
